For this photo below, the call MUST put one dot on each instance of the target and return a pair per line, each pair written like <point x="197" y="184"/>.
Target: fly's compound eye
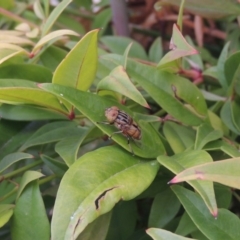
<point x="111" y="114"/>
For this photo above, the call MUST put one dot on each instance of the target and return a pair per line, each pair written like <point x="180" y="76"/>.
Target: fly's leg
<point x="106" y="123"/>
<point x="114" y="133"/>
<point x="130" y="146"/>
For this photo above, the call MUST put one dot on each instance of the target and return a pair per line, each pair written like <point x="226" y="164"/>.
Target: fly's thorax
<point x="123" y="118"/>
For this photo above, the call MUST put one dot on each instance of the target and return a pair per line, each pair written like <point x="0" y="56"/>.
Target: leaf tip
<point x="147" y="106"/>
<point x="215" y="213"/>
<point x="174" y="180"/>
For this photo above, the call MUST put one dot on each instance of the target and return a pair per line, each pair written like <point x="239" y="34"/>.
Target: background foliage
<point x="61" y="66"/>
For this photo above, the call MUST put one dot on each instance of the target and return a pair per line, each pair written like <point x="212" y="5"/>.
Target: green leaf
<point x="79" y="67"/>
<point x="220" y="66"/>
<point x="51" y="132"/>
<point x="119" y="44"/>
<point x="57" y="167"/>
<point x="225" y="226"/>
<point x="185" y="160"/>
<point x="206" y="134"/>
<point x="93" y="107"/>
<point x="179" y="137"/>
<point x="179" y="48"/>
<point x="12" y="158"/>
<point x="30" y="219"/>
<point x="68" y="147"/>
<point x="160" y="234"/>
<point x="28" y="113"/>
<point x="164" y="208"/>
<point x="225" y="172"/>
<point x="156" y="51"/>
<point x="6" y="211"/>
<point x="32" y="72"/>
<point x="209" y="8"/>
<point x="20" y="91"/>
<point x="27" y="177"/>
<point x="54" y="15"/>
<point x="118" y="81"/>
<point x="227" y="116"/>
<point x="93" y="185"/>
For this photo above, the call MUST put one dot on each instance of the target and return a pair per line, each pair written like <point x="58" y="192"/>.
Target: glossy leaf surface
<point x="78" y="68"/>
<point x="85" y="196"/>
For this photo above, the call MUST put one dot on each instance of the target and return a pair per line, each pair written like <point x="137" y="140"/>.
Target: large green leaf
<point x="225" y="226"/>
<point x="93" y="185"/>
<point x="188" y="159"/>
<point x="29" y="219"/>
<point x="93" y="107"/>
<point x="79" y="67"/>
<point x="224" y="171"/>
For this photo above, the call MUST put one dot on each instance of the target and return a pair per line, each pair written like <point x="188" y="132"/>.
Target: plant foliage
<point x="63" y="178"/>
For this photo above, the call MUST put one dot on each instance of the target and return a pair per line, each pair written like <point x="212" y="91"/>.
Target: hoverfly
<point x="124" y="123"/>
